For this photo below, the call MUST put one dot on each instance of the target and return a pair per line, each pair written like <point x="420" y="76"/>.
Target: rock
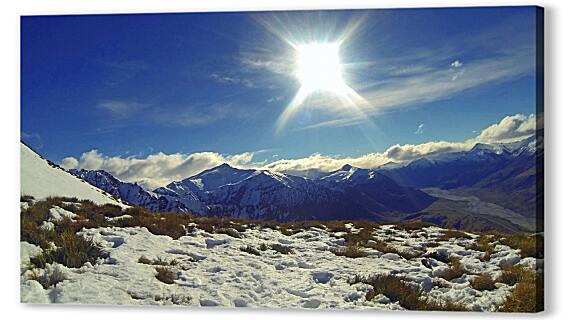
<point x="210" y="243"/>
<point x="311" y="303"/>
<point x="391" y="256"/>
<point x="322" y="277"/>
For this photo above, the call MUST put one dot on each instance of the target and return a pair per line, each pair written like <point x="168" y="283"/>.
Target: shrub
<point x="408" y="296"/>
<point x="282" y="249"/>
<point x="350" y="251"/>
<point x="165" y="275"/>
<point x="483" y="282"/>
<point x="263" y="247"/>
<point x="250" y="250"/>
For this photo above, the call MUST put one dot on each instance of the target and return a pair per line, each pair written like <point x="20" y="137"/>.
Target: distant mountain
<point x="462" y="169"/>
<point x="505" y="174"/>
<point x="503" y="177"/>
<point x="129" y="192"/>
<point x="348" y="193"/>
<point x="40" y="178"/>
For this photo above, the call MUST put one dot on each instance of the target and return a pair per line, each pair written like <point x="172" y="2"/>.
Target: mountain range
<point x="494" y="182"/>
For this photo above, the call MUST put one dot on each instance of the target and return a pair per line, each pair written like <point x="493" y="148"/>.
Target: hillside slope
<point x="40" y="179"/>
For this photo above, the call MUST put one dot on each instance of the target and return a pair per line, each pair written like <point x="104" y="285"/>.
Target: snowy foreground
<point x="212" y="270"/>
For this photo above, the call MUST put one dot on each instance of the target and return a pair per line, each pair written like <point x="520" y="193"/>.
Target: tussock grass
<point x="485" y="244"/>
<point x="282" y="248"/>
<point x="50" y="278"/>
<point x="359" y="238"/>
<point x="251" y="250"/>
<point x="165" y="275"/>
<point x="412" y="225"/>
<point x="528" y="293"/>
<point x="530" y="245"/>
<point x="335" y="226"/>
<point x="381" y="246"/>
<point x="433" y="244"/>
<point x="158" y="261"/>
<point x="350" y="251"/>
<point x="229" y="231"/>
<point x="71" y="250"/>
<point x="407" y="295"/>
<point x="483" y="282"/>
<point x="511" y="274"/>
<point x="455" y="271"/>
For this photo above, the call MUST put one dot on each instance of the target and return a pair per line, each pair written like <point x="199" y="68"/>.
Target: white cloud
<point x="122" y="109"/>
<point x="420" y="129"/>
<point x="69" y="163"/>
<point x="156" y="169"/>
<point x="226" y="79"/>
<point x="510" y="128"/>
<point x="160" y="169"/>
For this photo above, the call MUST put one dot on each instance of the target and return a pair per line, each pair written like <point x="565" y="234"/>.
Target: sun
<point x="319" y="68"/>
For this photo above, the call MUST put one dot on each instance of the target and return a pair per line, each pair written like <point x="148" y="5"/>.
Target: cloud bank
<point x="160" y="169"/>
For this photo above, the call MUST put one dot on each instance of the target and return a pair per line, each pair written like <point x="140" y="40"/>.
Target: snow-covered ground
<point x="40" y="180"/>
<point x="212" y="271"/>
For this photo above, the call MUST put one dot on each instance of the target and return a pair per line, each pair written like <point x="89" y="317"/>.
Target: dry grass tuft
<point x="529" y="245"/>
<point x="511" y="274"/>
<point x="528" y="294"/>
<point x="350" y="251"/>
<point x="282" y="249"/>
<point x="383" y="247"/>
<point x="230" y="232"/>
<point x="336" y="226"/>
<point x="483" y="282"/>
<point x="50" y="278"/>
<point x="485" y="244"/>
<point x="412" y="225"/>
<point x="158" y="261"/>
<point x="455" y="271"/>
<point x="407" y="295"/>
<point x="165" y="275"/>
<point x="251" y="250"/>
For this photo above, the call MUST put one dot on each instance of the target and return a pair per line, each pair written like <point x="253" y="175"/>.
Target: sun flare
<point x="319" y="67"/>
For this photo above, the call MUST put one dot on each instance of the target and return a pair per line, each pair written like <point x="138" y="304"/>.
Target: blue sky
<point x="135" y="85"/>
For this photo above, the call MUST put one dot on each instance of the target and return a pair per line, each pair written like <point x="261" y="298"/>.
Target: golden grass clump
<point x="528" y="293"/>
<point x="407" y="295"/>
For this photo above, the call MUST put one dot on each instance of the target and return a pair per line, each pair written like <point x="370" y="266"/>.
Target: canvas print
<point x="381" y="159"/>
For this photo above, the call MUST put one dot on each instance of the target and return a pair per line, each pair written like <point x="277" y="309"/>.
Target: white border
<point x="557" y="164"/>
